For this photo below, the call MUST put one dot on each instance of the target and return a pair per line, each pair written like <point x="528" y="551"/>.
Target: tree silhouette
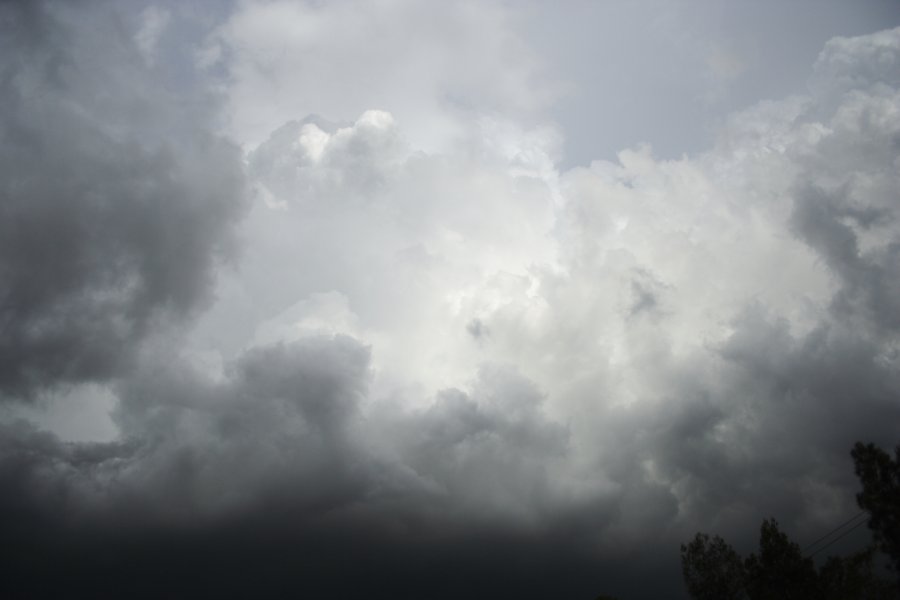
<point x="712" y="569"/>
<point x="779" y="570"/>
<point x="853" y="577"/>
<point x="880" y="496"/>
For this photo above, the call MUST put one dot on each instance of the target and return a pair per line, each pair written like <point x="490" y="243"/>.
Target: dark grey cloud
<point x="775" y="439"/>
<point x="116" y="201"/>
<point x="273" y="480"/>
<point x="870" y="291"/>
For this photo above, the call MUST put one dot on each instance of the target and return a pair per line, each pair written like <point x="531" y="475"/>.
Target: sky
<point x="437" y="299"/>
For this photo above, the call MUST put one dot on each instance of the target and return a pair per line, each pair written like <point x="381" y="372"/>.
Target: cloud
<point x="460" y="361"/>
<point x="117" y="202"/>
<point x="154" y="21"/>
<point x="283" y="453"/>
<point x="285" y="59"/>
<point x="774" y="257"/>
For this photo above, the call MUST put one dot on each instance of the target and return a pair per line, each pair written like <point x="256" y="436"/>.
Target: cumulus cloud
<point x="282" y="452"/>
<point x="774" y="253"/>
<point x="765" y="351"/>
<point x="460" y="360"/>
<point x="287" y="59"/>
<point x="691" y="323"/>
<point x="116" y="201"/>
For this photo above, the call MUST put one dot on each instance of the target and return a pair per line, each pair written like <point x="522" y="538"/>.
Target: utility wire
<point x="835" y="530"/>
<point x="745" y="585"/>
<point x="837" y="539"/>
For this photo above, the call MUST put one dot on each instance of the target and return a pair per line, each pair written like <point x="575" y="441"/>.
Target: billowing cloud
<point x="283" y="60"/>
<point x="451" y="359"/>
<point x="116" y="201"/>
<point x="281" y="452"/>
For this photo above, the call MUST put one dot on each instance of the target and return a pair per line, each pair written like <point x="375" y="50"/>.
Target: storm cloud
<point x="354" y="356"/>
<point x="116" y="200"/>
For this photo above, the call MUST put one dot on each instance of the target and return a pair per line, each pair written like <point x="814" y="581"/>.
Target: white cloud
<point x="432" y="66"/>
<point x="671" y="319"/>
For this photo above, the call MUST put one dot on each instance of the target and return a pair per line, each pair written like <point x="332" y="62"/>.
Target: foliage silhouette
<point x="779" y="570"/>
<point x="712" y="569"/>
<point x="880" y="496"/>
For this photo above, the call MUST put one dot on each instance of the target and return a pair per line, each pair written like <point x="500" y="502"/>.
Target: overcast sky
<point x="437" y="299"/>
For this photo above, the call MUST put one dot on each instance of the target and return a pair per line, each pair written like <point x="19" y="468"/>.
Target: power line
<point x="837" y="539"/>
<point x="835" y="530"/>
<point x="745" y="585"/>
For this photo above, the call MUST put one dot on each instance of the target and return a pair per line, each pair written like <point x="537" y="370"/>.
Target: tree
<point x="712" y="569"/>
<point x="779" y="571"/>
<point x="843" y="578"/>
<point x="880" y="496"/>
